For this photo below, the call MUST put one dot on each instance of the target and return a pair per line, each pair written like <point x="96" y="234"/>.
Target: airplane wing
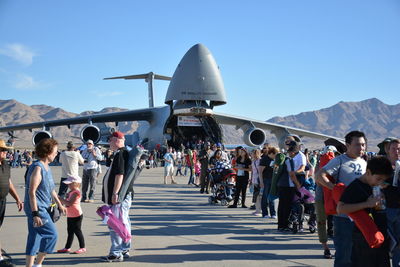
<point x="278" y="129"/>
<point x="130" y="115"/>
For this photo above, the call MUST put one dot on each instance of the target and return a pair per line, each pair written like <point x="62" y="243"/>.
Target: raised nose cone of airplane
<point x="197" y="77"/>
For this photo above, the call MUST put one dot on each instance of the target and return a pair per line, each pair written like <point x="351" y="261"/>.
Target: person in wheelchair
<point x="221" y="172"/>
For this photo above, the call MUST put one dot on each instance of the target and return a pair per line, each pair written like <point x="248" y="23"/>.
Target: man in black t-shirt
<point x="204" y="157"/>
<point x="114" y="180"/>
<point x="358" y="196"/>
<point x="266" y="171"/>
<point x="6" y="186"/>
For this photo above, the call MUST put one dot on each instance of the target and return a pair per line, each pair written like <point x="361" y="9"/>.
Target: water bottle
<point x="396" y="176"/>
<point x="377" y="192"/>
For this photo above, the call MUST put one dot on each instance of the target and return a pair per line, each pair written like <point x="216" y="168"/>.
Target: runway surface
<point x="172" y="225"/>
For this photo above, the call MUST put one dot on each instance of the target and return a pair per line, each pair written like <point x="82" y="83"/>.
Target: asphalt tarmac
<point x="171" y="225"/>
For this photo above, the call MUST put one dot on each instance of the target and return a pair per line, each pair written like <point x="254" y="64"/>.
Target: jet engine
<point x="39" y="135"/>
<point x="254" y="137"/>
<point x="95" y="133"/>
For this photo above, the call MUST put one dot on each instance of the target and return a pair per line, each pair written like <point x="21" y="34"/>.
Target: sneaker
<point x="125" y="254"/>
<point x="253" y="207"/>
<point x="91" y="200"/>
<point x="274" y="217"/>
<point x="79" y="251"/>
<point x="64" y="250"/>
<point x="327" y="254"/>
<point x="244" y="206"/>
<point x="232" y="206"/>
<point x="86" y="200"/>
<point x="113" y="258"/>
<point x="257" y="214"/>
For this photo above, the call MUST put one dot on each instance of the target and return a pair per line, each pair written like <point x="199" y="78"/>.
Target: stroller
<point x="303" y="209"/>
<point x="222" y="187"/>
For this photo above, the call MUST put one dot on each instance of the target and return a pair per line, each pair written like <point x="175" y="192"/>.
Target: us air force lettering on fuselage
<point x="194" y="90"/>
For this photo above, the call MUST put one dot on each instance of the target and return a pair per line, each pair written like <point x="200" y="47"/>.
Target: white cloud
<point x="26" y="82"/>
<point x="18" y="52"/>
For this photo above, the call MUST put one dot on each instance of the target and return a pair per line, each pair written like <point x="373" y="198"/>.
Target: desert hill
<point x="377" y="119"/>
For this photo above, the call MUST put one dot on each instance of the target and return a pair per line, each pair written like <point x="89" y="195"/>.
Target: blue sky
<point x="276" y="57"/>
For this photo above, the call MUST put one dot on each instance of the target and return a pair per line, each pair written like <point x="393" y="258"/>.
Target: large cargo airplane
<point x="194" y="90"/>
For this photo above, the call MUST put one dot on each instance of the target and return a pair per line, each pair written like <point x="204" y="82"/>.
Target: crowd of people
<point x="331" y="190"/>
<point x="303" y="182"/>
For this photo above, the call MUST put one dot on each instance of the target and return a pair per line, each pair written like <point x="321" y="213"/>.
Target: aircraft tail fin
<point x="141" y="76"/>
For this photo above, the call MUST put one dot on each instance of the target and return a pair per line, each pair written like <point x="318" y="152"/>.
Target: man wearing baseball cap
<point x="113" y="181"/>
<point x="6" y="186"/>
<point x="91" y="156"/>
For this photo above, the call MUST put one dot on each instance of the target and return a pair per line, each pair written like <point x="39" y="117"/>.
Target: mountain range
<point x="377" y="119"/>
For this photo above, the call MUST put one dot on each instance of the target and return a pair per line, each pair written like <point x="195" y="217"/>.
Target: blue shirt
<point x="168" y="156"/>
<point x="43" y="191"/>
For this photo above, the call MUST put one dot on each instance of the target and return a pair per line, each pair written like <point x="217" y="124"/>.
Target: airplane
<point x="195" y="88"/>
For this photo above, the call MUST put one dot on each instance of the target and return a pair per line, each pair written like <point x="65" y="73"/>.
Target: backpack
<point x="279" y="175"/>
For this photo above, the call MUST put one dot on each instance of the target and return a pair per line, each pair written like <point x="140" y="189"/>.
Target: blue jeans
<point x="265" y="202"/>
<point x="121" y="210"/>
<point x="191" y="178"/>
<point x="88" y="182"/>
<point x="393" y="224"/>
<point x="343" y="240"/>
<point x="41" y="239"/>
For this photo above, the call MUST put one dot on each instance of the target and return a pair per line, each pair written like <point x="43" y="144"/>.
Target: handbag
<point x="54" y="212"/>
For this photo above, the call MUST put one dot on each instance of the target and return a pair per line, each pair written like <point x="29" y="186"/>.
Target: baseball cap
<point x="381" y="145"/>
<point x="73" y="179"/>
<point x="329" y="148"/>
<point x="89" y="141"/>
<point x="118" y="134"/>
